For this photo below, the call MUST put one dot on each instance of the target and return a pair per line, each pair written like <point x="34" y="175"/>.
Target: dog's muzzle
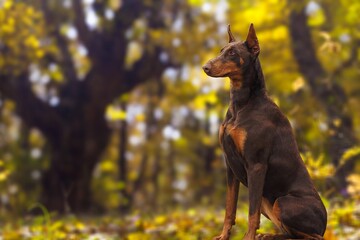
<point x="206" y="68"/>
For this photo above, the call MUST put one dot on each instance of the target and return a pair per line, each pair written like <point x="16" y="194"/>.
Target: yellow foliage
<point x="298" y="84"/>
<point x="115" y="114"/>
<point x="350" y="153"/>
<point x="4" y="175"/>
<point x="11" y="235"/>
<point x="39" y="53"/>
<point x="329" y="235"/>
<point x="156" y="35"/>
<point x="8" y="26"/>
<point x="191" y="212"/>
<point x="133" y="176"/>
<point x="354" y="186"/>
<point x="60" y="235"/>
<point x="329" y="46"/>
<point x="35" y="138"/>
<point x="108" y="166"/>
<point x="279" y="33"/>
<point x="201" y="100"/>
<point x="317" y="168"/>
<point x="337" y="122"/>
<point x="140" y="117"/>
<point x="8" y="4"/>
<point x="134" y="53"/>
<point x="317" y="18"/>
<point x="21" y="31"/>
<point x="160" y="220"/>
<point x="138" y="236"/>
<point x="79" y="226"/>
<point x="196" y="2"/>
<point x="114" y="4"/>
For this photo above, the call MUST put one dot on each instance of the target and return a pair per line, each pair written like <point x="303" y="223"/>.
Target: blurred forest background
<point x="109" y="126"/>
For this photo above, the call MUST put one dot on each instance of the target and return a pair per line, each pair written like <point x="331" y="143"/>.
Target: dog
<point x="261" y="152"/>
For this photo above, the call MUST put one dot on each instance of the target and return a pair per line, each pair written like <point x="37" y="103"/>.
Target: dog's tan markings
<point x="221" y="69"/>
<point x="217" y="65"/>
<point x="254" y="221"/>
<point x="238" y="135"/>
<point x="274" y="214"/>
<point x="254" y="224"/>
<point x="221" y="133"/>
<point x="230" y="67"/>
<point x="242" y="61"/>
<point x="303" y="235"/>
<point x="235" y="84"/>
<point x="236" y="80"/>
<point x="271" y="212"/>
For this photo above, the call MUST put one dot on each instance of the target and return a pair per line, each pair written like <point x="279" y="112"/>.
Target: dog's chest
<point x="237" y="134"/>
<point x="233" y="140"/>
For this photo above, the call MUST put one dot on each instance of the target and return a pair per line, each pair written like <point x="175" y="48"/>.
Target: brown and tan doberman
<point x="261" y="152"/>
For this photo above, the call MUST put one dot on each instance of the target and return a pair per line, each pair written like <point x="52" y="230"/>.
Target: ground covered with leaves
<point x="191" y="224"/>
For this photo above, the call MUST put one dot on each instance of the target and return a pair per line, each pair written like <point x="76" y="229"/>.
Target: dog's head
<point x="235" y="57"/>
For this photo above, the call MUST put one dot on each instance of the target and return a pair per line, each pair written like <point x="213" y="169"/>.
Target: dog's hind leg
<point x="286" y="237"/>
<point x="300" y="219"/>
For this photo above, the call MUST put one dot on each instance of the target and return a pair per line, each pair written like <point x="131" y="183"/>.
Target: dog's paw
<point x="249" y="237"/>
<point x="261" y="237"/>
<point x="222" y="237"/>
<point x="271" y="237"/>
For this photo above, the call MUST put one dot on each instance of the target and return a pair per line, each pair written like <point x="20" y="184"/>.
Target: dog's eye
<point x="231" y="52"/>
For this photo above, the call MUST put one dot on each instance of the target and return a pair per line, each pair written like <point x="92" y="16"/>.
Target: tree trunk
<point x="126" y="199"/>
<point x="67" y="182"/>
<point x="327" y="92"/>
<point x="155" y="170"/>
<point x="66" y="188"/>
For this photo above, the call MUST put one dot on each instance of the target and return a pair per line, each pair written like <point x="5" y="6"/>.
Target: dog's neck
<point x="239" y="94"/>
<point x="246" y="86"/>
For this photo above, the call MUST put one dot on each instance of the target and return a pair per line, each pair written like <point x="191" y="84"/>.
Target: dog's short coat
<point x="261" y="151"/>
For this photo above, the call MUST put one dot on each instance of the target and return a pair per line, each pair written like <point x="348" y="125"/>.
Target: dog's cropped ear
<point x="231" y="36"/>
<point x="252" y="41"/>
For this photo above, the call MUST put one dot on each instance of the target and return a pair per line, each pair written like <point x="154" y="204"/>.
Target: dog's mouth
<point x="219" y="72"/>
<point x="210" y="72"/>
<point x="213" y="70"/>
<point x="207" y="69"/>
<point x="219" y="69"/>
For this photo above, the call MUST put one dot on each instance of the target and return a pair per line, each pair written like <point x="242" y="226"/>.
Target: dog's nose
<point x="206" y="68"/>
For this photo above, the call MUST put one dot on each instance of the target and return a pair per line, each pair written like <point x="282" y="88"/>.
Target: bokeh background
<point x="108" y="126"/>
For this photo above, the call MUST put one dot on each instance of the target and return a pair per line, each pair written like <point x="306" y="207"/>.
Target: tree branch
<point x="125" y="16"/>
<point x="80" y="24"/>
<point x="129" y="11"/>
<point x="146" y="68"/>
<point x="348" y="62"/>
<point x="303" y="47"/>
<point x="67" y="63"/>
<point x="33" y="111"/>
<point x="110" y="63"/>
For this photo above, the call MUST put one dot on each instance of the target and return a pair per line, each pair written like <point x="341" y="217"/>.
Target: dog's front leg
<point x="256" y="176"/>
<point x="232" y="191"/>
